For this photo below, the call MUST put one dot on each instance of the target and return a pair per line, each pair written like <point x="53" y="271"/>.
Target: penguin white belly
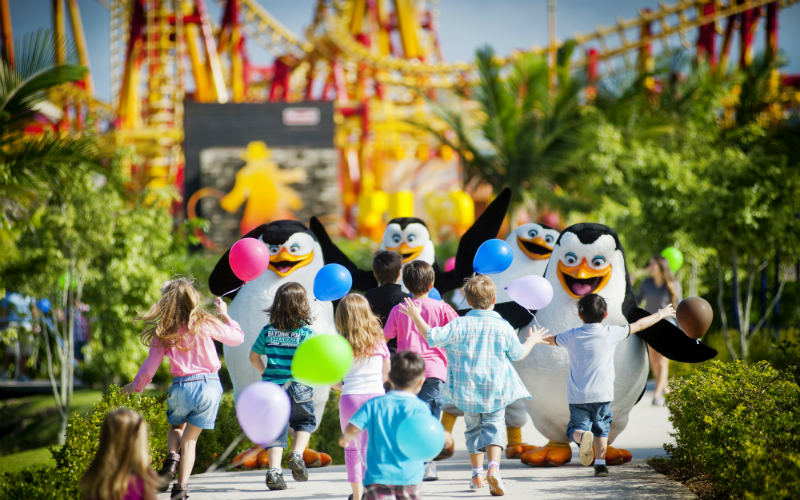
<point x="546" y="370"/>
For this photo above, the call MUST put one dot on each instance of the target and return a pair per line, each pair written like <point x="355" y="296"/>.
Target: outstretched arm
<point x="535" y="336"/>
<point x="412" y="310"/>
<point x="667" y="312"/>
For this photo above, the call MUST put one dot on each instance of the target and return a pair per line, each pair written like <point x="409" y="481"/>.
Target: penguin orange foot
<point x="249" y="459"/>
<point x="316" y="459"/>
<point x="550" y="455"/>
<point x="617" y="456"/>
<point x="519" y="449"/>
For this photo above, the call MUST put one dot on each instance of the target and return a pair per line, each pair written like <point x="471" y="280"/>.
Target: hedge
<point x="739" y="423"/>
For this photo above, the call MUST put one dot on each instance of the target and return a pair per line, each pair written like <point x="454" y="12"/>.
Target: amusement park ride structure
<point x="372" y="58"/>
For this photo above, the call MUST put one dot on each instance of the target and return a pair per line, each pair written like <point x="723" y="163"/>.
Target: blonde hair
<point x="668" y="277"/>
<point x="480" y="292"/>
<point x="175" y="316"/>
<point x="356" y="322"/>
<point x="123" y="453"/>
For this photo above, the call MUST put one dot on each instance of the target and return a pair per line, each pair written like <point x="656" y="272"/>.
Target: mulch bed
<point x="701" y="484"/>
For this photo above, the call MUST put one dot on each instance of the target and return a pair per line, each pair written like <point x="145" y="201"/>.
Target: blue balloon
<point x="43" y="305"/>
<point x="434" y="294"/>
<point x="332" y="282"/>
<point x="420" y="437"/>
<point x="493" y="257"/>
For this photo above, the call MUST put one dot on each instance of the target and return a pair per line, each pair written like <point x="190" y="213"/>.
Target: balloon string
<point x="534" y="317"/>
<point x="227" y="452"/>
<point x="238" y="287"/>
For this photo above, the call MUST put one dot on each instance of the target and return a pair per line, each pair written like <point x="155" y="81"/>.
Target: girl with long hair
<point x="362" y="329"/>
<point x="177" y="327"/>
<point x="121" y="468"/>
<point x="658" y="291"/>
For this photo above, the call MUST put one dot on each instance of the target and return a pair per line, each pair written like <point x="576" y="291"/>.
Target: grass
<point x="18" y="461"/>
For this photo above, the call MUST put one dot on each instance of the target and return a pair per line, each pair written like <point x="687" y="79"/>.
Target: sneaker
<point x="275" y="480"/>
<point x="168" y="471"/>
<point x="496" y="487"/>
<point x="587" y="450"/>
<point x="298" y="466"/>
<point x="477" y="482"/>
<point x="430" y="472"/>
<point x="659" y="401"/>
<point x="600" y="471"/>
<point x="179" y="492"/>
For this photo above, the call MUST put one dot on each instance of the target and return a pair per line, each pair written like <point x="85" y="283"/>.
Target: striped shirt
<point x="480" y="348"/>
<point x="279" y="348"/>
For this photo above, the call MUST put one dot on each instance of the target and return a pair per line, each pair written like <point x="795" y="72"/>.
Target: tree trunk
<point x="745" y="326"/>
<point x="737" y="297"/>
<point x="693" y="280"/>
<point x="723" y="317"/>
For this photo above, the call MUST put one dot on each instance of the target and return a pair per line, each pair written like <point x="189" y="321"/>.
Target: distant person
<point x="658" y="291"/>
<point x="390" y="474"/>
<point x="590" y="387"/>
<point x="387" y="267"/>
<point x="121" y="468"/>
<point x="371" y="362"/>
<point x="82" y="329"/>
<point x="178" y="328"/>
<point x="16" y="315"/>
<point x="418" y="277"/>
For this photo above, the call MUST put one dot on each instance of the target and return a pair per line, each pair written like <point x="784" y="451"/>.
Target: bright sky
<point x="464" y="25"/>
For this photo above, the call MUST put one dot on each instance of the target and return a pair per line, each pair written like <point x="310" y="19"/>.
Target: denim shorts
<point x="194" y="399"/>
<point x="302" y="418"/>
<point x="484" y="429"/>
<point x="595" y="417"/>
<point x="432" y="393"/>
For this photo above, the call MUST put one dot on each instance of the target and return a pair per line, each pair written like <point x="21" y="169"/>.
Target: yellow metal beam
<point x="409" y="28"/>
<point x="80" y="41"/>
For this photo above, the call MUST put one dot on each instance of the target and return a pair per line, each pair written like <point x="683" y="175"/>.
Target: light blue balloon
<point x="43" y="305"/>
<point x="434" y="294"/>
<point x="332" y="282"/>
<point x="420" y="437"/>
<point x="493" y="256"/>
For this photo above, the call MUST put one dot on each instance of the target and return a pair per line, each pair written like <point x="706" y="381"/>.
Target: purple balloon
<point x="263" y="411"/>
<point x="531" y="292"/>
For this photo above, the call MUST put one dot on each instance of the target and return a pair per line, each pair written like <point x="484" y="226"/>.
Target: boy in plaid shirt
<point x="480" y="378"/>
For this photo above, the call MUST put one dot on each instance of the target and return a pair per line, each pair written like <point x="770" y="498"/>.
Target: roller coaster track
<point x="268" y="32"/>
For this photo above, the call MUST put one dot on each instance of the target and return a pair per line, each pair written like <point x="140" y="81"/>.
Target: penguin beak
<point x="285" y="263"/>
<point x="582" y="280"/>
<point x="536" y="248"/>
<point x="408" y="253"/>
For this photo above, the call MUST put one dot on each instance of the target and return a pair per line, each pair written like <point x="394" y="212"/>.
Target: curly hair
<point x="290" y="309"/>
<point x="356" y="322"/>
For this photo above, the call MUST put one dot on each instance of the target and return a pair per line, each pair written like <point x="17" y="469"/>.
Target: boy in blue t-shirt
<point x="390" y="474"/>
<point x="590" y="388"/>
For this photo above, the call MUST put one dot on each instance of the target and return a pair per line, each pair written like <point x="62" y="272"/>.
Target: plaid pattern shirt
<point x="480" y="348"/>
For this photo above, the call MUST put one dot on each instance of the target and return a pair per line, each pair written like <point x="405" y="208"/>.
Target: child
<point x="418" y="277"/>
<point x="355" y="321"/>
<point x="481" y="380"/>
<point x="390" y="475"/>
<point x="387" y="267"/>
<point x="178" y="328"/>
<point x="590" y="389"/>
<point x="121" y="467"/>
<point x="289" y="318"/>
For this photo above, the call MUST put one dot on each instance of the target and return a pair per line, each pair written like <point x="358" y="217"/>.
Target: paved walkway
<point x="648" y="430"/>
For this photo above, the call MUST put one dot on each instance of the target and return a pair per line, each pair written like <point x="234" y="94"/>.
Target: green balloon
<point x="322" y="360"/>
<point x="674" y="257"/>
<point x="62" y="281"/>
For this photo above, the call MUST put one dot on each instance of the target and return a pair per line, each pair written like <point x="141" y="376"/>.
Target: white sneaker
<point x="477" y="482"/>
<point x="430" y="472"/>
<point x="587" y="450"/>
<point x="496" y="487"/>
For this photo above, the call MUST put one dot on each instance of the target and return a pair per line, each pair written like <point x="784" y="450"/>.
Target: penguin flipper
<point x="222" y="280"/>
<point x="515" y="314"/>
<point x="670" y="341"/>
<point x="484" y="228"/>
<point x="362" y="280"/>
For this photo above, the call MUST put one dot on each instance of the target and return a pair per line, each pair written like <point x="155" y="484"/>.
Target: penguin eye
<point x="410" y="238"/>
<point x="548" y="239"/>
<point x="532" y="233"/>
<point x="274" y="249"/>
<point x="396" y="238"/>
<point x="294" y="248"/>
<point x="571" y="258"/>
<point x="598" y="260"/>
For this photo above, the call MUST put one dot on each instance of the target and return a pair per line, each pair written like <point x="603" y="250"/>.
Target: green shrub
<point x="326" y="438"/>
<point x="741" y="424"/>
<point x="39" y="483"/>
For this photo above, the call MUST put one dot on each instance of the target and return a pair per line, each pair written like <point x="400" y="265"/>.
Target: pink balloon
<point x="263" y="411"/>
<point x="449" y="264"/>
<point x="249" y="258"/>
<point x="531" y="292"/>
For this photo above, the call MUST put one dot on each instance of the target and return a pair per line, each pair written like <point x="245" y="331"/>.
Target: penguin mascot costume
<point x="588" y="258"/>
<point x="295" y="255"/>
<point x="531" y="245"/>
<point x="410" y="237"/>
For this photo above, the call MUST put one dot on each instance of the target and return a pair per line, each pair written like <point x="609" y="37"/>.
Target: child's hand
<point x="410" y="309"/>
<point x="342" y="442"/>
<point x="221" y="306"/>
<point x="127" y="389"/>
<point x="667" y="312"/>
<point x="536" y="335"/>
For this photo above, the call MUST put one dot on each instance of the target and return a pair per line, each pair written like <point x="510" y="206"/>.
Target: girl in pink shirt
<point x="121" y="468"/>
<point x="177" y="327"/>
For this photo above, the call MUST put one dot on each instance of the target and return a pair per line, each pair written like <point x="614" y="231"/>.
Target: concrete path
<point x="648" y="430"/>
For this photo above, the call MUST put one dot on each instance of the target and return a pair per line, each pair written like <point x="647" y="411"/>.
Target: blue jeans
<point x="484" y="429"/>
<point x="194" y="399"/>
<point x="302" y="418"/>
<point x="595" y="417"/>
<point x="432" y="393"/>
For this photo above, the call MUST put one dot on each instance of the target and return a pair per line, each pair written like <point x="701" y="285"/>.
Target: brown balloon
<point x="694" y="316"/>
